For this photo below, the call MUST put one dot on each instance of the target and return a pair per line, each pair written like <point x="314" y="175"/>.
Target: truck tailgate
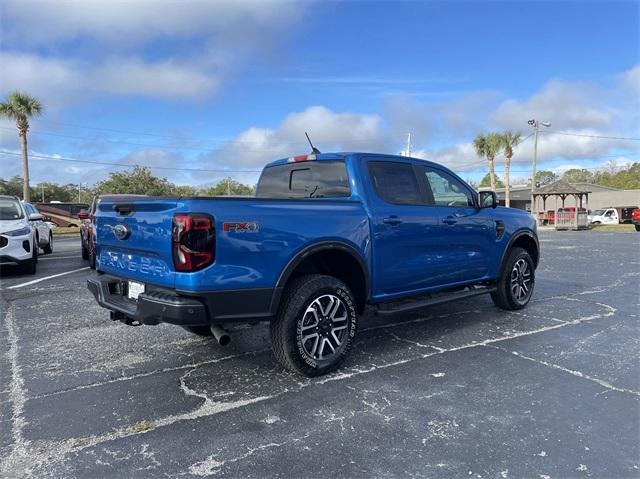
<point x="133" y="239"/>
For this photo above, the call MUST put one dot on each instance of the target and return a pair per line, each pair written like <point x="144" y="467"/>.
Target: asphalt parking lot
<point x="462" y="389"/>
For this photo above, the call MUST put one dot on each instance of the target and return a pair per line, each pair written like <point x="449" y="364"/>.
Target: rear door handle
<point x="392" y="220"/>
<point x="450" y="220"/>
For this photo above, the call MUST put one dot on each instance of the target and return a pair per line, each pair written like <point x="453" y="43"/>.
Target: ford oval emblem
<point x="121" y="231"/>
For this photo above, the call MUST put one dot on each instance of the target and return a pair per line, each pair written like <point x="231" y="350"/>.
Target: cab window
<point x="447" y="190"/>
<point x="395" y="183"/>
<point x="308" y="179"/>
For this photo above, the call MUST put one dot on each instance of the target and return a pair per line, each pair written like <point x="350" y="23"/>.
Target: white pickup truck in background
<point x="605" y="216"/>
<point x="611" y="215"/>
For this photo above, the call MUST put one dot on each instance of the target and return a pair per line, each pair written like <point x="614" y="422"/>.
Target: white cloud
<point x="565" y="104"/>
<point x="125" y="24"/>
<point x="631" y="80"/>
<point x="59" y="82"/>
<point x="163" y="79"/>
<point x="329" y="131"/>
<point x="154" y="48"/>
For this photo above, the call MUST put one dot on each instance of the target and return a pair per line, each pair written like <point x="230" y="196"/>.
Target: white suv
<point x="17" y="235"/>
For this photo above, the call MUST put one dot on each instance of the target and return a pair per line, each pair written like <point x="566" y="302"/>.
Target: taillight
<point x="193" y="241"/>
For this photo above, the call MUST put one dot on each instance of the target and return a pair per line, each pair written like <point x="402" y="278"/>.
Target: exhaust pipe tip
<point x="221" y="335"/>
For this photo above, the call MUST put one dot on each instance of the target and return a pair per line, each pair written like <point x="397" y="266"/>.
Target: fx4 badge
<point x="240" y="227"/>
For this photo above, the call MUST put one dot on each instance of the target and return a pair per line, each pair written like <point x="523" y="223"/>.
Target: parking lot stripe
<point x="29" y="283"/>
<point x="49" y="258"/>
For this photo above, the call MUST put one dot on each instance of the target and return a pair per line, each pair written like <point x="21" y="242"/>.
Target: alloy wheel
<point x="324" y="327"/>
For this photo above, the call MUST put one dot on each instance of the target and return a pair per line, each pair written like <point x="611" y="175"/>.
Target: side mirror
<point x="487" y="199"/>
<point x="83" y="215"/>
<point x="35" y="217"/>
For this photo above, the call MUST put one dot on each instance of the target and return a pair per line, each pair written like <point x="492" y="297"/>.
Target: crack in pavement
<point x="25" y="457"/>
<point x="579" y="374"/>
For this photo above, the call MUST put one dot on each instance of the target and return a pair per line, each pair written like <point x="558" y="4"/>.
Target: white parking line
<point x="29" y="283"/>
<point x="49" y="258"/>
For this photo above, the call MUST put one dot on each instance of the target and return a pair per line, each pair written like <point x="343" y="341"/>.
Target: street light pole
<point x="536" y="128"/>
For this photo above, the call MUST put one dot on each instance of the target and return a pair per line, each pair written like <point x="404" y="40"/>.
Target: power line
<point x="233" y="147"/>
<point x="566" y="133"/>
<point x="128" y="165"/>
<point x="126" y="132"/>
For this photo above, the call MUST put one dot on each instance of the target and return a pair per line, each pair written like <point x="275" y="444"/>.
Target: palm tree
<point x="509" y="141"/>
<point x="487" y="146"/>
<point x="20" y="107"/>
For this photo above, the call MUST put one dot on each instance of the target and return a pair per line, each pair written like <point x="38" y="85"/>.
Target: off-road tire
<point x="504" y="297"/>
<point x="287" y="327"/>
<point x="199" y="330"/>
<point x="49" y="248"/>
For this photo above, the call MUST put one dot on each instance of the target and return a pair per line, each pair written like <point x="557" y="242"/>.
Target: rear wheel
<point x="315" y="326"/>
<point x="49" y="248"/>
<point x="515" y="287"/>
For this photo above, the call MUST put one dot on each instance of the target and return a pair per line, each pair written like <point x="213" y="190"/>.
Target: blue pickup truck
<point x="325" y="237"/>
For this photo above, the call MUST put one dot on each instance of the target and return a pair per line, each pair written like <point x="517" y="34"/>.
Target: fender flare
<point x="514" y="237"/>
<point x="294" y="262"/>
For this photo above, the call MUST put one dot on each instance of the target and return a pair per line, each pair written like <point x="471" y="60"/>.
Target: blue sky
<point x="228" y="86"/>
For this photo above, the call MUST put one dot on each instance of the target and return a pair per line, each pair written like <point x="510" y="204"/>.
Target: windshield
<point x="597" y="212"/>
<point x="10" y="210"/>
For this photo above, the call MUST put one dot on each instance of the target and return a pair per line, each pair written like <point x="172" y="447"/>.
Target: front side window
<point x="10" y="210"/>
<point x="307" y="179"/>
<point x="395" y="183"/>
<point x="448" y="190"/>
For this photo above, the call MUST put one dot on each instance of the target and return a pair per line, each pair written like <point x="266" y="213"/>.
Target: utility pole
<point x="42" y="189"/>
<point x="79" y="190"/>
<point x="536" y="128"/>
<point x="228" y="186"/>
<point x="408" y="144"/>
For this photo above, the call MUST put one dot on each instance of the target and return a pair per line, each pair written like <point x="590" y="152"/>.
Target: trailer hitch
<point x="123" y="318"/>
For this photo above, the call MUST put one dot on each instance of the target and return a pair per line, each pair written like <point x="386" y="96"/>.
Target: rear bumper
<point x="184" y="308"/>
<point x="152" y="307"/>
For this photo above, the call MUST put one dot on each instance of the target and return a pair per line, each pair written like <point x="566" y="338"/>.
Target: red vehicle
<point x="635" y="218"/>
<point x="86" y="226"/>
<point x="548" y="218"/>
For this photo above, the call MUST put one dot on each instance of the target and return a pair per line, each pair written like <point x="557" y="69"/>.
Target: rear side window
<point x="306" y="179"/>
<point x="395" y="183"/>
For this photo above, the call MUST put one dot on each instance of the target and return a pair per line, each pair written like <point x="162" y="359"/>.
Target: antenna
<point x="314" y="150"/>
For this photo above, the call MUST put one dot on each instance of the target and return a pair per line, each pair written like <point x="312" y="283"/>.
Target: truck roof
<point x="334" y="156"/>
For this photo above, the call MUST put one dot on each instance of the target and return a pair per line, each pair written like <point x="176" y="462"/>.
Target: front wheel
<point x="49" y="248"/>
<point x="315" y="326"/>
<point x="29" y="266"/>
<point x="637" y="227"/>
<point x="515" y="286"/>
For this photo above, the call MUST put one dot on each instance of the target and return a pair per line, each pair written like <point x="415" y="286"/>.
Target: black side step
<point x="404" y="305"/>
